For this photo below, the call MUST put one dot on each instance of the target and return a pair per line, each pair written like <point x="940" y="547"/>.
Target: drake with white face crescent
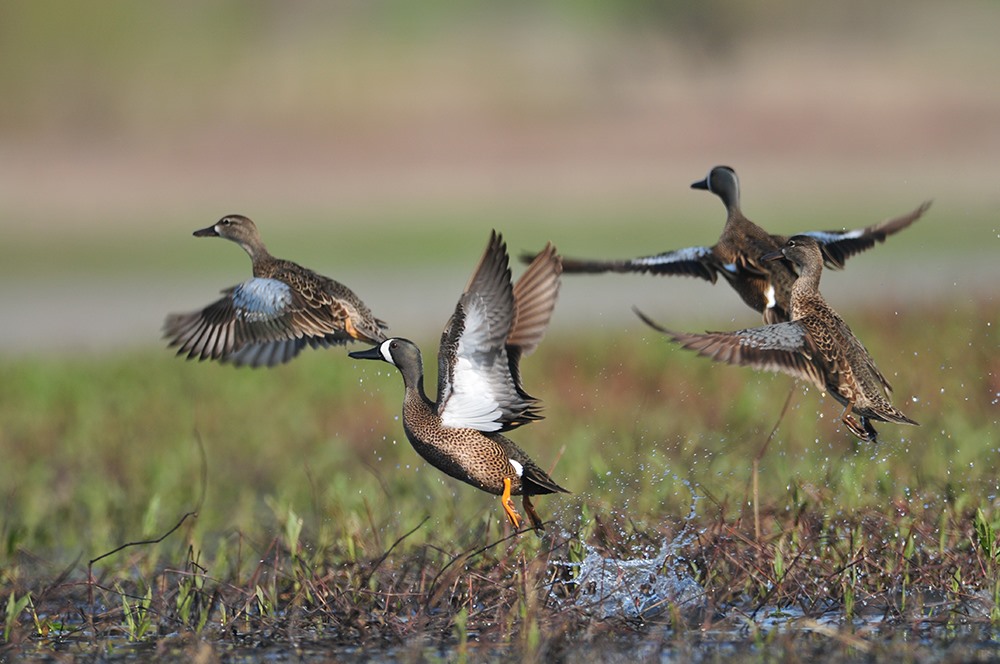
<point x="479" y="386"/>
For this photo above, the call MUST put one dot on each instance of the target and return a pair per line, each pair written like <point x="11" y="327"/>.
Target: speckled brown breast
<point x="465" y="454"/>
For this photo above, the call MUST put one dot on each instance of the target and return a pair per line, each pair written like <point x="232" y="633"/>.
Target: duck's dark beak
<point x="701" y="184"/>
<point x="772" y="255"/>
<point x="207" y="232"/>
<point x="373" y="353"/>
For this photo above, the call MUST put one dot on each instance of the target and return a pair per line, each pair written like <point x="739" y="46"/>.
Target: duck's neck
<point x="257" y="252"/>
<point x="806" y="286"/>
<point x="731" y="199"/>
<point x="413" y="381"/>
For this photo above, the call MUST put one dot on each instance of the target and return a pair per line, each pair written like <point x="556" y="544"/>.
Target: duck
<point x="816" y="346"/>
<point x="479" y="393"/>
<point x="766" y="288"/>
<point x="269" y="319"/>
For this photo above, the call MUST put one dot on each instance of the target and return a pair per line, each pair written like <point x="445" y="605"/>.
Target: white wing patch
<point x="472" y="403"/>
<point x="518" y="468"/>
<point x="687" y="254"/>
<point x="261" y="299"/>
<point x="826" y="237"/>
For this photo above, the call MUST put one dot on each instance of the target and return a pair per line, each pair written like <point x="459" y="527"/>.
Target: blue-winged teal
<point x="269" y="319"/>
<point x="816" y="346"/>
<point x="479" y="385"/>
<point x="736" y="256"/>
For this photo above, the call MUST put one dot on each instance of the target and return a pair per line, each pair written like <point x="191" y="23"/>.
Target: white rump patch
<point x="769" y="296"/>
<point x="518" y="468"/>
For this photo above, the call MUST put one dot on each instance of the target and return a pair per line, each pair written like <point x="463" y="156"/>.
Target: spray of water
<point x="640" y="587"/>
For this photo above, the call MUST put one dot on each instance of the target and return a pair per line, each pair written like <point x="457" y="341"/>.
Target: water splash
<point x="640" y="587"/>
<point x="634" y="588"/>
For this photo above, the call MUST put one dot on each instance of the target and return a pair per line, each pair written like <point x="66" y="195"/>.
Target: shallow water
<point x="765" y="635"/>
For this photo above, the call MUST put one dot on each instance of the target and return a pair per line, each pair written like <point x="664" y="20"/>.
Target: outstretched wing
<point x="782" y="347"/>
<point x="476" y="387"/>
<point x="535" y="295"/>
<point x="691" y="261"/>
<point x="838" y="246"/>
<point x="261" y="322"/>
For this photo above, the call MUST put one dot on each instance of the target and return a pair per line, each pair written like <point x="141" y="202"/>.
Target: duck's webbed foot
<point x="508" y="505"/>
<point x="865" y="431"/>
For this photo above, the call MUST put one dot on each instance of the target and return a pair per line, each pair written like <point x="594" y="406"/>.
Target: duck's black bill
<point x="373" y="353"/>
<point x="207" y="232"/>
<point x="772" y="255"/>
<point x="700" y="184"/>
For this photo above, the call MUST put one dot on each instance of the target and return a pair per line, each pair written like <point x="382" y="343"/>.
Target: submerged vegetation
<point x="286" y="509"/>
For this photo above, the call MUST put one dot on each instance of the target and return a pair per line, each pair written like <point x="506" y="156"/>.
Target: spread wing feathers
<point x="258" y="312"/>
<point x="273" y="353"/>
<point x="691" y="261"/>
<point x="782" y="347"/>
<point x="838" y="246"/>
<point x="268" y="354"/>
<point x="476" y="388"/>
<point x="535" y="295"/>
<point x="490" y="285"/>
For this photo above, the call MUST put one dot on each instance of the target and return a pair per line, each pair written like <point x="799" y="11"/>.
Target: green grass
<point x="302" y="481"/>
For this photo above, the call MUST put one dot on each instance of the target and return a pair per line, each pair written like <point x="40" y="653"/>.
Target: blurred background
<point x="377" y="142"/>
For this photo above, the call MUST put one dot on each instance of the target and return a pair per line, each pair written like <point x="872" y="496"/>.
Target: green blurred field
<point x="103" y="450"/>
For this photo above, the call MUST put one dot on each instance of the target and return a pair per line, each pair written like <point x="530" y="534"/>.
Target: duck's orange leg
<point x="508" y="504"/>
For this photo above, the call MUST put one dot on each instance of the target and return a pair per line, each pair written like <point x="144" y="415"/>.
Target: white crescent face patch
<point x="384" y="349"/>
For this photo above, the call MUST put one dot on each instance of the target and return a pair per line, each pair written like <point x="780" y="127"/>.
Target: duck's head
<point x="800" y="250"/>
<point x="397" y="351"/>
<point x="233" y="227"/>
<point x="722" y="182"/>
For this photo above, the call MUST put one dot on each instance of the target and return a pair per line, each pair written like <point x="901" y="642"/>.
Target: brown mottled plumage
<point x="816" y="345"/>
<point x="736" y="256"/>
<point x="269" y="319"/>
<point x="479" y="385"/>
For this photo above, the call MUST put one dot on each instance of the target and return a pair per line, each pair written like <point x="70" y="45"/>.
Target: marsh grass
<point x="316" y="526"/>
